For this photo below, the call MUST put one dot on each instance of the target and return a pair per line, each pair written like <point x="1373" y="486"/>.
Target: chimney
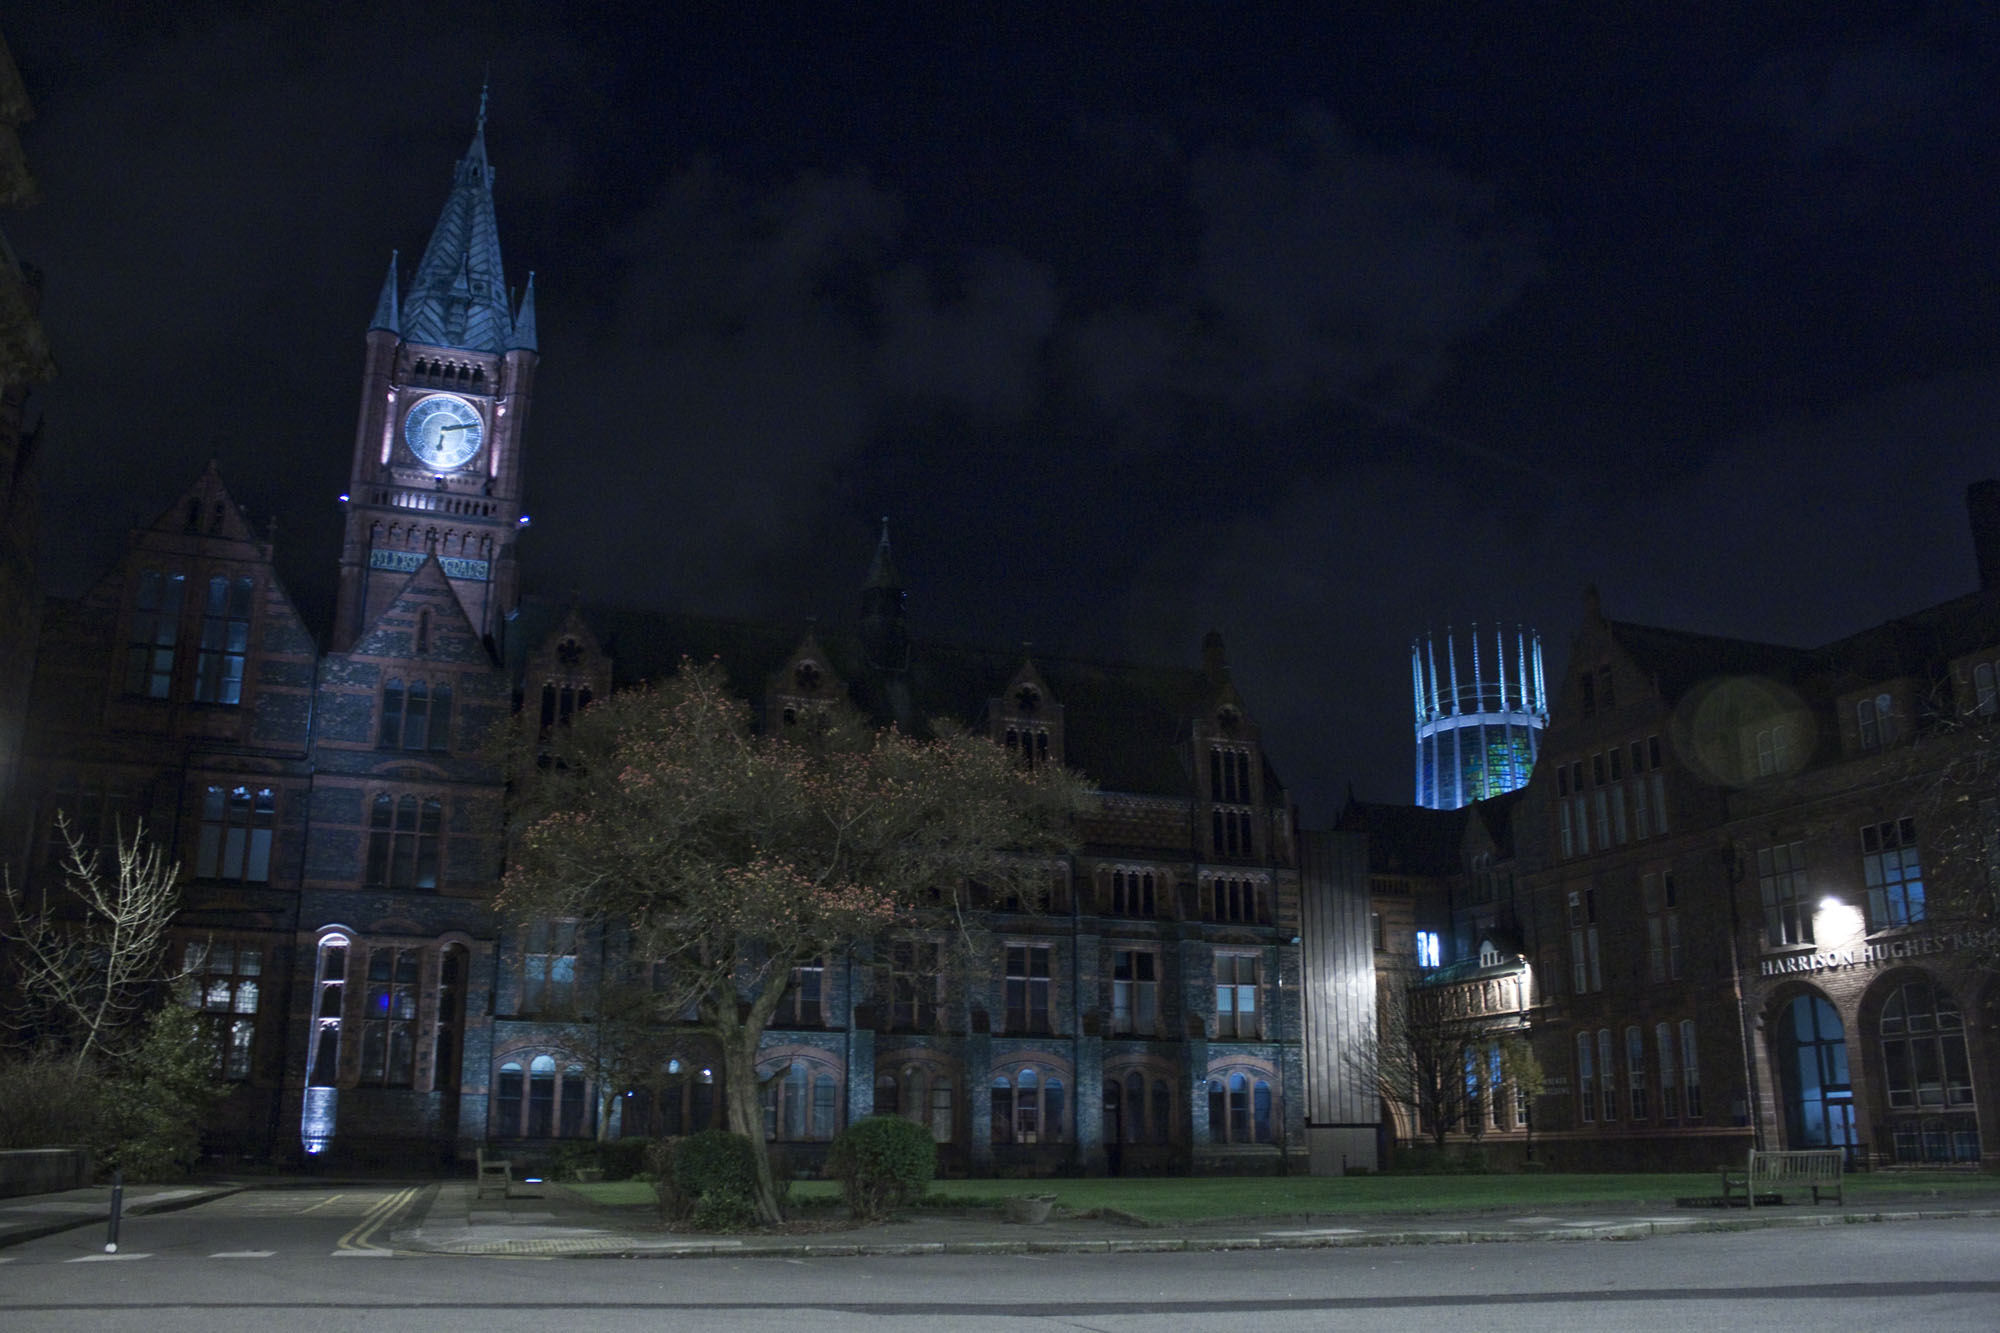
<point x="1982" y="505"/>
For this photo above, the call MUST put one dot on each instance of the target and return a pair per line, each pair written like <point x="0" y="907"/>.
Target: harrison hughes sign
<point x="1869" y="955"/>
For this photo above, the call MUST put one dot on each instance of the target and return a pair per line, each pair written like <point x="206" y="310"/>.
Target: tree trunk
<point x="746" y="1115"/>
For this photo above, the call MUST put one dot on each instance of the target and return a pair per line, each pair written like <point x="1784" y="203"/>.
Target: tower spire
<point x="385" y="304"/>
<point x="458" y="296"/>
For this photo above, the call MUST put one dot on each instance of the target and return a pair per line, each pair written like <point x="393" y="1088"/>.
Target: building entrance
<point x="1812" y="1068"/>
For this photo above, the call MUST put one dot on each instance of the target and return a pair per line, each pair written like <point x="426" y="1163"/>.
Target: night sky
<point x="1144" y="321"/>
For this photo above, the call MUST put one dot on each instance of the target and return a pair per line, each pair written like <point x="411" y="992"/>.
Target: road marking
<point x="361" y="1239"/>
<point x="243" y="1254"/>
<point x="363" y="1254"/>
<point x="104" y="1258"/>
<point x="322" y="1203"/>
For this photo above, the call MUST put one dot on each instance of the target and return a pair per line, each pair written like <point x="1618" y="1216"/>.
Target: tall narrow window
<point x="1134" y="991"/>
<point x="549" y="968"/>
<point x="225" y="639"/>
<point x="1585" y="965"/>
<point x="223" y="984"/>
<point x="449" y="1044"/>
<point x="323" y="1059"/>
<point x="388" y="1022"/>
<point x="236" y="832"/>
<point x="1635" y="1072"/>
<point x="1781" y="883"/>
<point x="1670" y="1083"/>
<point x="1586" y="1077"/>
<point x="914" y="978"/>
<point x="1027" y="988"/>
<point x="403" y="849"/>
<point x="156" y="622"/>
<point x="1607" y="1082"/>
<point x="1236" y="996"/>
<point x="803" y="1004"/>
<point x="1690" y="1071"/>
<point x="541" y="1097"/>
<point x="1895" y="878"/>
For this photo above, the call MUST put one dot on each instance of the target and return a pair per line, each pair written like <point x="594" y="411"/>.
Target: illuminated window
<point x="224" y="982"/>
<point x="1430" y="952"/>
<point x="1781" y="883"/>
<point x="156" y="621"/>
<point x="330" y="988"/>
<point x="236" y="832"/>
<point x="548" y="968"/>
<point x="1236" y="1006"/>
<point x="1239" y="1109"/>
<point x="389" y="1016"/>
<point x="1895" y="879"/>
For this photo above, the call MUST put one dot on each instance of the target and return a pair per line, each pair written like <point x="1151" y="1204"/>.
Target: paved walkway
<point x="449" y="1218"/>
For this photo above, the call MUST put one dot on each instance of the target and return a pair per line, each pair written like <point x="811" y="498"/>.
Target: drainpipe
<point x="1743" y="1031"/>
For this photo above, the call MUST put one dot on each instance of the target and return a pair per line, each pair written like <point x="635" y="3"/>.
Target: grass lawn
<point x="1189" y="1199"/>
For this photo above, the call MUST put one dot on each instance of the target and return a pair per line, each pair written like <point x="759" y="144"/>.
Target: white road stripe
<point x="243" y="1254"/>
<point x="364" y="1254"/>
<point x="104" y="1258"/>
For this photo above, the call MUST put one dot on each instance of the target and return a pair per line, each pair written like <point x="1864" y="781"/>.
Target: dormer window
<point x="1875" y="721"/>
<point x="1489" y="956"/>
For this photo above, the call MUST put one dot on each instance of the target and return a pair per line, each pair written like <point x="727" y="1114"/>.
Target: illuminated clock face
<point x="444" y="431"/>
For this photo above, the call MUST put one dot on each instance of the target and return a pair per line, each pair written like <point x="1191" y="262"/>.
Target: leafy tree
<point x="730" y="857"/>
<point x="90" y="962"/>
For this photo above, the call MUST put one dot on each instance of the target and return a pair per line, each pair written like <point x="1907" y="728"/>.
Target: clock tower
<point x="445" y="390"/>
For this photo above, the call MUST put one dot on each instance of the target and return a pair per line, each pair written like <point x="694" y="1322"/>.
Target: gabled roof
<point x="458" y="297"/>
<point x="1127" y="727"/>
<point x="1676" y="659"/>
<point x="1407" y="839"/>
<point x="453" y="639"/>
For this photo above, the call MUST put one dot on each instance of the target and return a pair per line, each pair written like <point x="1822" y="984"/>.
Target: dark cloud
<point x="1319" y="334"/>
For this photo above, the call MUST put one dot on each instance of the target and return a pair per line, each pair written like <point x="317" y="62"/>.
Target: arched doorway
<point x="1812" y="1070"/>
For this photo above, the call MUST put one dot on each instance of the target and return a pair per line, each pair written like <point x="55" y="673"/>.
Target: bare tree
<point x="1424" y="1059"/>
<point x="90" y="960"/>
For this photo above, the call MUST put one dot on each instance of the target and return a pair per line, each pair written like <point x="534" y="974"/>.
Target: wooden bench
<point x="1772" y="1172"/>
<point x="496" y="1174"/>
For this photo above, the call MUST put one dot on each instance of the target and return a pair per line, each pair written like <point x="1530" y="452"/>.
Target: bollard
<point x="117" y="1206"/>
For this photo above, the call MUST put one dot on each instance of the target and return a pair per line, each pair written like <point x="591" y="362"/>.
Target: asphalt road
<point x="307" y="1260"/>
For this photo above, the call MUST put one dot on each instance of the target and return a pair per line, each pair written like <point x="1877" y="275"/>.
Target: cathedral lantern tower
<point x="445" y="391"/>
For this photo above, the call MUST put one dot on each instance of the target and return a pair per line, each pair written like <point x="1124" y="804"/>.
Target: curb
<point x="20" y="1235"/>
<point x="1607" y="1231"/>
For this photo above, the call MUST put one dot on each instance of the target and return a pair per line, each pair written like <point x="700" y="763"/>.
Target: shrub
<point x="623" y="1159"/>
<point x="881" y="1163"/>
<point x="706" y="1180"/>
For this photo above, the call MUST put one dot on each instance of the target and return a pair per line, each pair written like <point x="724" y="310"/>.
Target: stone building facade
<point x="342" y="829"/>
<point x="1751" y="891"/>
